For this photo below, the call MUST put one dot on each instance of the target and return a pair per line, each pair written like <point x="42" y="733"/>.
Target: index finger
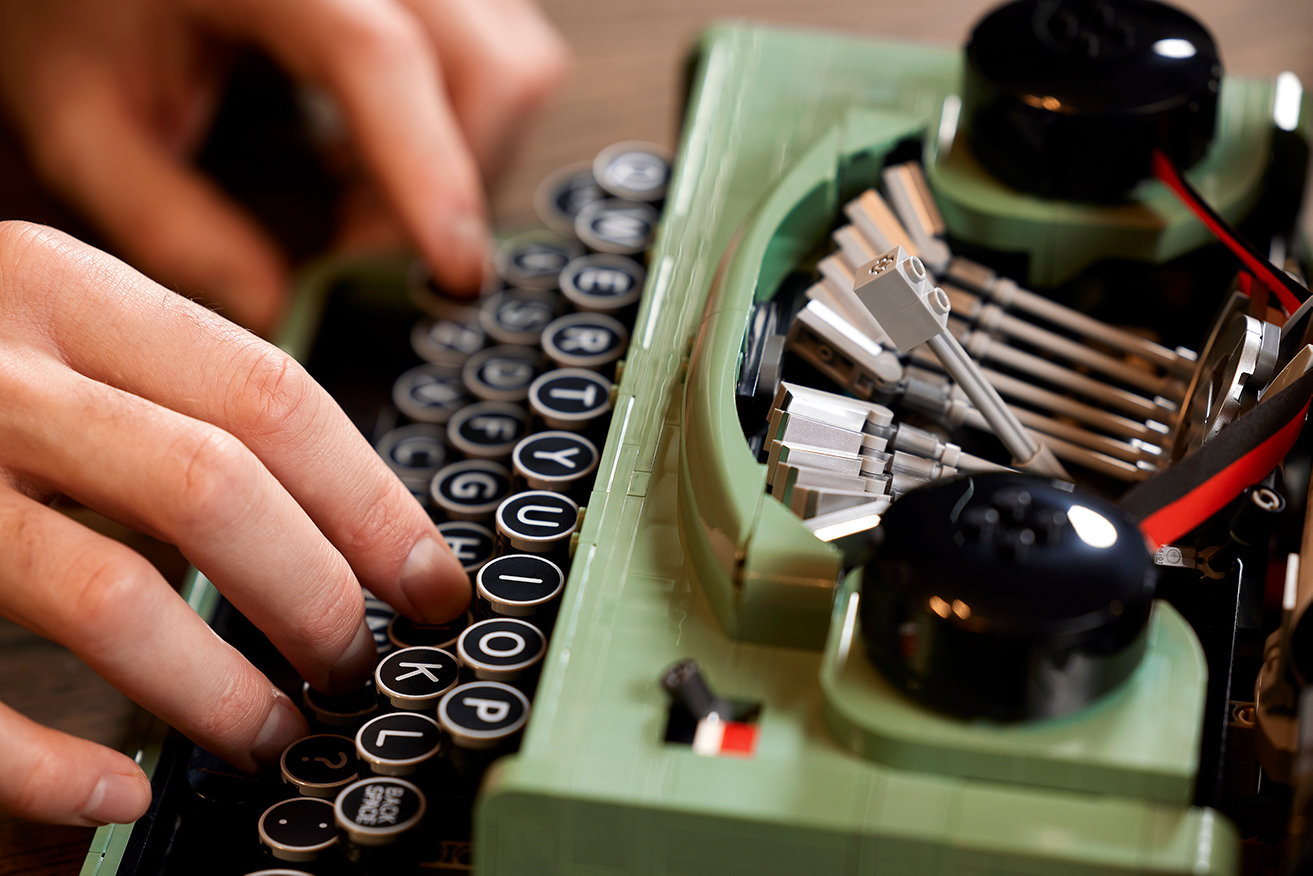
<point x="374" y="56"/>
<point x="116" y="326"/>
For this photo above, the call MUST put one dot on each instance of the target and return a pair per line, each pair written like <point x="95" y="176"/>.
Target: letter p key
<point x="489" y="711"/>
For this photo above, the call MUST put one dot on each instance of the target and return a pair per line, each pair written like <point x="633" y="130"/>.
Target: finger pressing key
<point x="166" y="349"/>
<point x="198" y="487"/>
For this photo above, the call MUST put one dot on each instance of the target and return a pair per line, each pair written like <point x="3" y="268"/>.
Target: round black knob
<point x="1006" y="596"/>
<point x="1068" y="98"/>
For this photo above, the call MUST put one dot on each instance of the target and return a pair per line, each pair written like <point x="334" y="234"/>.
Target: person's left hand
<point x="114" y="96"/>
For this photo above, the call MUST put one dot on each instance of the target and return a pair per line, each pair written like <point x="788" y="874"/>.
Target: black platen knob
<point x="1068" y="98"/>
<point x="1006" y="596"/>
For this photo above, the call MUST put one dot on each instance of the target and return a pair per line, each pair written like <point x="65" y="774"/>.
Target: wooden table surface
<point x="628" y="57"/>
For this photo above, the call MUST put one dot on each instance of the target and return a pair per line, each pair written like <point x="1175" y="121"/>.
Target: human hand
<point x="157" y="412"/>
<point x="114" y="96"/>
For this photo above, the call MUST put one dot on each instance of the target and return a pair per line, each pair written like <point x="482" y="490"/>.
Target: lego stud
<point x="939" y="302"/>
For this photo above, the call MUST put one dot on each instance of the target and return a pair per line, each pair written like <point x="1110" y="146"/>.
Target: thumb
<point x="53" y="777"/>
<point x="166" y="218"/>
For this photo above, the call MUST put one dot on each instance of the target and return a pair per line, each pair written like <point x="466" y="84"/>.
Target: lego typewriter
<point x="943" y="502"/>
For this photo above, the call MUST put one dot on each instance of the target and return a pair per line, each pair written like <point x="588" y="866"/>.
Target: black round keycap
<point x="405" y="633"/>
<point x="570" y="398"/>
<point x="446" y="341"/>
<point x="278" y="872"/>
<point x="483" y="714"/>
<point x="416" y="678"/>
<point x="617" y="226"/>
<point x="603" y="283"/>
<point x="431" y="298"/>
<point x="376" y="812"/>
<point x="298" y="829"/>
<point x="554" y="460"/>
<point x="320" y="765"/>
<point x="537" y="521"/>
<point x="501" y="373"/>
<point x="416" y="451"/>
<point x="472" y="543"/>
<point x="636" y="170"/>
<point x="398" y="743"/>
<point x="1006" y="596"/>
<point x="488" y="430"/>
<point x="518" y="585"/>
<point x="471" y="490"/>
<point x="344" y="710"/>
<point x="559" y="198"/>
<point x="430" y="393"/>
<point x="585" y="340"/>
<point x="534" y="259"/>
<point x="501" y="649"/>
<point x="518" y="316"/>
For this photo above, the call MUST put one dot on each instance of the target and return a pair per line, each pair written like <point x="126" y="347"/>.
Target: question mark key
<point x="320" y="765"/>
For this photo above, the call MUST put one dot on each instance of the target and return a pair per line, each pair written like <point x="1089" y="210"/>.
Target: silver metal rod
<point x="1057" y="375"/>
<point x="1009" y="295"/>
<point x="1027" y="452"/>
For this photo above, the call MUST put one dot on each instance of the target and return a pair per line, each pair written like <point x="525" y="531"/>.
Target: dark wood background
<point x="628" y="64"/>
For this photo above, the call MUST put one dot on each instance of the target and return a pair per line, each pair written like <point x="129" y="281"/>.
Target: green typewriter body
<point x="681" y="552"/>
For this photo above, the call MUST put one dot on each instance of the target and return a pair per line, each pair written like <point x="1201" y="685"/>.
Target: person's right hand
<point x="157" y="412"/>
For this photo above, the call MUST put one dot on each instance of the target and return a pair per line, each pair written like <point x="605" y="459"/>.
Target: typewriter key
<point x="320" y="765"/>
<point x="415" y="453"/>
<point x="415" y="678"/>
<point x="405" y="633"/>
<point x="430" y="393"/>
<point x="378" y="614"/>
<point x="518" y="316"/>
<point x="446" y="341"/>
<point x="501" y="373"/>
<point x="603" y="283"/>
<point x="428" y="296"/>
<point x="471" y="490"/>
<point x="534" y="259"/>
<point x="397" y="744"/>
<point x="279" y="873"/>
<point x="520" y="585"/>
<point x="472" y="543"/>
<point x="554" y="460"/>
<point x="345" y="710"/>
<point x="483" y="715"/>
<point x="617" y="226"/>
<point x="376" y="812"/>
<point x="560" y="197"/>
<point x="585" y="340"/>
<point x="636" y="170"/>
<point x="537" y="521"/>
<point x="298" y="829"/>
<point x="501" y="649"/>
<point x="570" y="398"/>
<point x="488" y="430"/>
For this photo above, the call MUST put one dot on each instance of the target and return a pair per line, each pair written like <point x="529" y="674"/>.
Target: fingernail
<point x="356" y="663"/>
<point x="434" y="582"/>
<point x="118" y="799"/>
<point x="283" y="727"/>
